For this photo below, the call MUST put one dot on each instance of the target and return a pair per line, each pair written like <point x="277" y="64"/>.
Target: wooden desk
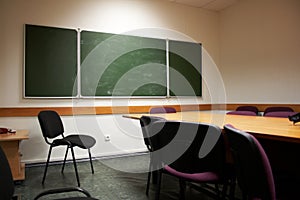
<point x="10" y="145"/>
<point x="262" y="127"/>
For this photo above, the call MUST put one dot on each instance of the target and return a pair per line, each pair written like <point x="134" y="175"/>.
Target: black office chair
<point x="149" y="140"/>
<point x="192" y="152"/>
<point x="52" y="129"/>
<point x="254" y="173"/>
<point x="7" y="186"/>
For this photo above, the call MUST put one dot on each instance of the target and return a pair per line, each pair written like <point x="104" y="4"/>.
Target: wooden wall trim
<point x="98" y="110"/>
<point x="106" y="110"/>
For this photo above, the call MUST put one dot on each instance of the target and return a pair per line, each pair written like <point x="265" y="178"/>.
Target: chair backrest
<point x="146" y="122"/>
<point x="245" y="110"/>
<point x="283" y="112"/>
<point x="278" y="109"/>
<point x="242" y="112"/>
<point x="50" y="123"/>
<point x="6" y="179"/>
<point x="189" y="147"/>
<point x="163" y="109"/>
<point x="248" y="108"/>
<point x="254" y="173"/>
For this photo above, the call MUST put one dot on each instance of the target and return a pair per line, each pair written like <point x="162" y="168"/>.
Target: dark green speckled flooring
<point x="118" y="178"/>
<point x="122" y="178"/>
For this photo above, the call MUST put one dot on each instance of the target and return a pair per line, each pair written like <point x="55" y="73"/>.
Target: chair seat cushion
<point x="242" y="113"/>
<point x="282" y="114"/>
<point x="82" y="141"/>
<point x="60" y="141"/>
<point x="196" y="177"/>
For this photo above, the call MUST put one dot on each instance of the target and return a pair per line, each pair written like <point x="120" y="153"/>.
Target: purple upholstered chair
<point x="163" y="109"/>
<point x="245" y="110"/>
<point x="284" y="112"/>
<point x="192" y="152"/>
<point x="254" y="173"/>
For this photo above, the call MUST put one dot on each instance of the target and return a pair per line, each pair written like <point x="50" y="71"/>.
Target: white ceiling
<point x="214" y="5"/>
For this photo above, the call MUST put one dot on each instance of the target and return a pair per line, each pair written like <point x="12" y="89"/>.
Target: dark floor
<point x="121" y="178"/>
<point x="114" y="179"/>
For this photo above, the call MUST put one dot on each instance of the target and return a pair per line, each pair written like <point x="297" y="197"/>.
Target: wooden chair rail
<point x="97" y="110"/>
<point x="106" y="110"/>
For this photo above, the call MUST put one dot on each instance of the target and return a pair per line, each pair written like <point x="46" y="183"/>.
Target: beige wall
<point x="160" y="19"/>
<point x="260" y="51"/>
<point x="254" y="43"/>
<point x="149" y="17"/>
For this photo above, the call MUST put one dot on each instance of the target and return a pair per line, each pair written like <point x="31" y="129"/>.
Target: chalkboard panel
<point x="50" y="62"/>
<point x="111" y="65"/>
<point x="122" y="65"/>
<point x="185" y="68"/>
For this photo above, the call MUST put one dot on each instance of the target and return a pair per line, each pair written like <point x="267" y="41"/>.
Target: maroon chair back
<point x="163" y="109"/>
<point x="248" y="108"/>
<point x="245" y="110"/>
<point x="278" y="112"/>
<point x="254" y="173"/>
<point x="278" y="109"/>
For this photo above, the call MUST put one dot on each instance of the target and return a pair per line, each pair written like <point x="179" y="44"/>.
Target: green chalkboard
<point x="111" y="65"/>
<point x="122" y="65"/>
<point x="185" y="60"/>
<point x="50" y="62"/>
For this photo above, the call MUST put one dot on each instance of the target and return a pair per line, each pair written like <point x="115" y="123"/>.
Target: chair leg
<point x="47" y="163"/>
<point x="148" y="183"/>
<point x="232" y="188"/>
<point x="66" y="154"/>
<point x="154" y="167"/>
<point x="16" y="197"/>
<point x="92" y="167"/>
<point x="154" y="174"/>
<point x="224" y="190"/>
<point x="182" y="186"/>
<point x="217" y="190"/>
<point x="159" y="179"/>
<point x="75" y="166"/>
<point x="148" y="179"/>
<point x="245" y="196"/>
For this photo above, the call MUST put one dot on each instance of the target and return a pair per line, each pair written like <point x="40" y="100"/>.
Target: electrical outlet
<point x="107" y="138"/>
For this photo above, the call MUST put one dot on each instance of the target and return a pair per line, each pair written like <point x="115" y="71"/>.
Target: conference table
<point x="272" y="128"/>
<point x="279" y="137"/>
